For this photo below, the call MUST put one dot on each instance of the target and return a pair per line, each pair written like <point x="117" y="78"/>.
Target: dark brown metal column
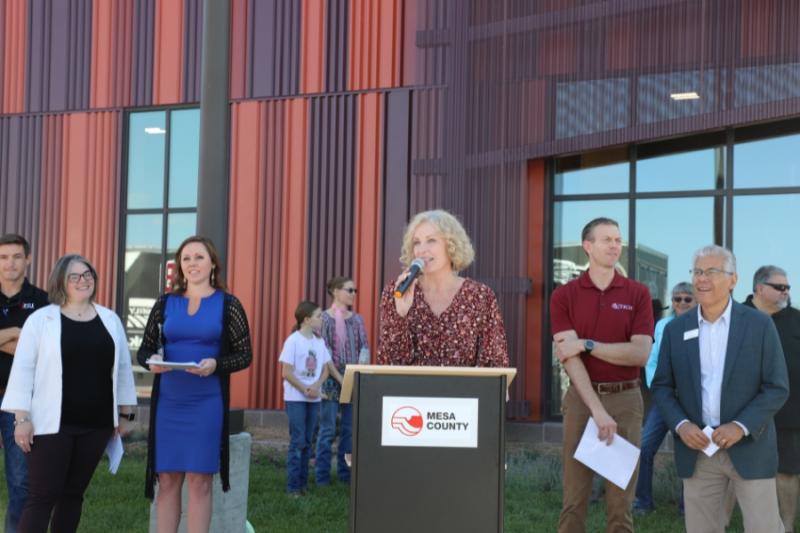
<point x="212" y="194"/>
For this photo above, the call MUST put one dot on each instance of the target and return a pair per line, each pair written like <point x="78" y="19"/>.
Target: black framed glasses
<point x="780" y="287"/>
<point x="684" y="299"/>
<point x="75" y="278"/>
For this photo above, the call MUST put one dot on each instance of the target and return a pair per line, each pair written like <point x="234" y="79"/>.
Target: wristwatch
<point x="130" y="417"/>
<point x="588" y="345"/>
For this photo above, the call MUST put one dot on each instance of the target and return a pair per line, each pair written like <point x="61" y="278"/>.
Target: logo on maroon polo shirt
<point x="622" y="307"/>
<point x="407" y="420"/>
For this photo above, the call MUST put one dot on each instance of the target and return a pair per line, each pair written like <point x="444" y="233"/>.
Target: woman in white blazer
<point x="71" y="389"/>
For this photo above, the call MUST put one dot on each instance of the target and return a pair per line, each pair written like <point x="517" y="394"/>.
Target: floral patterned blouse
<point x="468" y="333"/>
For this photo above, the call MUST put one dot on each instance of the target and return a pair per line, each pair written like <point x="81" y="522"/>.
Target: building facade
<point x="526" y="118"/>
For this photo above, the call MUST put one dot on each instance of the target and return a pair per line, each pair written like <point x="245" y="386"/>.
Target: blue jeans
<point x="16" y="472"/>
<point x="302" y="420"/>
<point x="327" y="433"/>
<point x="653" y="433"/>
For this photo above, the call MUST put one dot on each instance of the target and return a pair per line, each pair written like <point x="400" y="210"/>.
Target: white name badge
<point x="691" y="334"/>
<point x="429" y="422"/>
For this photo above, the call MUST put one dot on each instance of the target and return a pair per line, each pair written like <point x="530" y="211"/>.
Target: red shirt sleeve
<point x="394" y="337"/>
<point x="643" y="320"/>
<point x="560" y="319"/>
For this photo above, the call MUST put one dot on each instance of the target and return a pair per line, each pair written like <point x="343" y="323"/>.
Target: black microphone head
<point x="418" y="262"/>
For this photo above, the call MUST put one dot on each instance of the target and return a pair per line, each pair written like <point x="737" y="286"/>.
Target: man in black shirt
<point x="18" y="299"/>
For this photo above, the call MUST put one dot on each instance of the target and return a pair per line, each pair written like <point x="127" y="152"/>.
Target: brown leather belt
<point x="612" y="387"/>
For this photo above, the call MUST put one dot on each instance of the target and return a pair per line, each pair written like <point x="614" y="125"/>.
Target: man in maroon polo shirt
<point x="602" y="327"/>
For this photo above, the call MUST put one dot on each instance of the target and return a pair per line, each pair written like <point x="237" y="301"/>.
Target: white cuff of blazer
<point x="746" y="432"/>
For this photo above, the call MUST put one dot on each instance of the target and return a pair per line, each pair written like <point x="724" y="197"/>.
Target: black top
<point x="87" y="358"/>
<point x="236" y="353"/>
<point x="13" y="313"/>
<point x="787" y="322"/>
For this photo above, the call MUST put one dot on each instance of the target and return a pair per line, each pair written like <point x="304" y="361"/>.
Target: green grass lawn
<point x="533" y="498"/>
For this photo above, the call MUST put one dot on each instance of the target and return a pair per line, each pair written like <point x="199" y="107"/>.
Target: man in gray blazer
<point x="721" y="367"/>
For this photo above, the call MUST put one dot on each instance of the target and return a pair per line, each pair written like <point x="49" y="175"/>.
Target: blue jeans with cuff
<point x="302" y="421"/>
<point x="327" y="433"/>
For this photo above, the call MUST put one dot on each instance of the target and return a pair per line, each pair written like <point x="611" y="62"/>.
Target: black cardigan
<point x="236" y="354"/>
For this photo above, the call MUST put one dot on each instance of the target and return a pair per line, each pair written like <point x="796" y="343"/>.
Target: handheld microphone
<point x="413" y="272"/>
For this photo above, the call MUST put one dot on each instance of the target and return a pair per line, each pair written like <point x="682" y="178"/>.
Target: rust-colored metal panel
<point x="90" y="176"/>
<point x="13" y="40"/>
<point x="534" y="305"/>
<point x="168" y="51"/>
<point x="267" y="259"/>
<point x="367" y="239"/>
<point x="59" y="55"/>
<point x="238" y="49"/>
<point x="112" y="48"/>
<point x="20" y="170"/>
<point x="312" y="55"/>
<point x="331" y="176"/>
<point x="376" y="44"/>
<point x="48" y="245"/>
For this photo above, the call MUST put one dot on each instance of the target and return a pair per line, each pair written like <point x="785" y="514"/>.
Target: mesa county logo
<point x="407" y="420"/>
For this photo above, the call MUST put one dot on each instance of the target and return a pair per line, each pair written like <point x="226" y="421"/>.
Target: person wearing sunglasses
<point x="655" y="429"/>
<point x="346" y="337"/>
<point x="771" y="295"/>
<point x="71" y="389"/>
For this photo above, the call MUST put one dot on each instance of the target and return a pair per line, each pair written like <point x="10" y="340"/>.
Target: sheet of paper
<point x="615" y="462"/>
<point x="169" y="364"/>
<point x="114" y="451"/>
<point x="712" y="448"/>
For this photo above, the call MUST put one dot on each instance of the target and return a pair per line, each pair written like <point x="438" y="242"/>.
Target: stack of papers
<point x="615" y="462"/>
<point x="170" y="364"/>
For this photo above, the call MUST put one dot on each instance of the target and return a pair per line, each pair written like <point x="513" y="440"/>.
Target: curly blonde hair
<point x="459" y="246"/>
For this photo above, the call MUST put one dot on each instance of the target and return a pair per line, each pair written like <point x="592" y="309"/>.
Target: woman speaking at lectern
<point x="442" y="318"/>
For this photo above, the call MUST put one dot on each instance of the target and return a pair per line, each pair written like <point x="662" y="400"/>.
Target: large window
<point x="739" y="189"/>
<point x="159" y="211"/>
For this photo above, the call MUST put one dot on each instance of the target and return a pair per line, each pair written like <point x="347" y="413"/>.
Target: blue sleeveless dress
<point x="189" y="410"/>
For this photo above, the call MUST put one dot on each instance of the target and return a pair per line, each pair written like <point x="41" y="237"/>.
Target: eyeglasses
<point x="75" y="278"/>
<point x="351" y="290"/>
<point x="709" y="272"/>
<point x="684" y="299"/>
<point x="780" y="287"/>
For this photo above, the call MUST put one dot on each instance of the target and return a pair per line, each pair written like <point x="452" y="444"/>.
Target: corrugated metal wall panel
<point x="267" y="259"/>
<point x="193" y="49"/>
<point x="532" y="365"/>
<point x="312" y="55"/>
<point x="59" y="55"/>
<point x="48" y="244"/>
<point x="331" y="175"/>
<point x="367" y="243"/>
<point x="142" y="52"/>
<point x="376" y="44"/>
<point x="274" y="47"/>
<point x="396" y="182"/>
<point x="337" y="30"/>
<point x="13" y="45"/>
<point x="238" y="49"/>
<point x="20" y="160"/>
<point x="168" y="51"/>
<point x="112" y="48"/>
<point x="91" y="177"/>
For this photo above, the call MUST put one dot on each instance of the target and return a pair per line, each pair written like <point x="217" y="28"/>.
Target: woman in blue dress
<point x="197" y="323"/>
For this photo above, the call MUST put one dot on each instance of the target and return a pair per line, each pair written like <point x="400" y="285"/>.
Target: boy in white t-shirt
<point x="304" y="361"/>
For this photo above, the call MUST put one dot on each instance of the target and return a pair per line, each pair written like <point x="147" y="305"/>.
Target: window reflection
<point x="142" y="273"/>
<point x="686" y="171"/>
<point x="179" y="227"/>
<point x="595" y="180"/>
<point x="184" y="150"/>
<point x="767" y="163"/>
<point x="764" y="232"/>
<point x="146" y="145"/>
<point x="668" y="232"/>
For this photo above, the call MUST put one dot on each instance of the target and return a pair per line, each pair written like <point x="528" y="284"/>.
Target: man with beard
<point x="771" y="295"/>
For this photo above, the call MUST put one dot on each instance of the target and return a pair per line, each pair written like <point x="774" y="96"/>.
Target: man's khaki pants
<point x="626" y="408"/>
